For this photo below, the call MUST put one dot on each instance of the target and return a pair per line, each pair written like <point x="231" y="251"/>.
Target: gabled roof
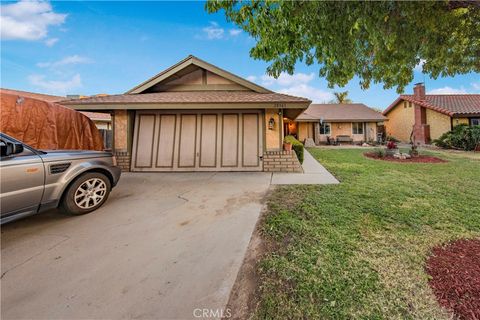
<point x="189" y="61"/>
<point x="349" y="112"/>
<point x="33" y="95"/>
<point x="449" y="104"/>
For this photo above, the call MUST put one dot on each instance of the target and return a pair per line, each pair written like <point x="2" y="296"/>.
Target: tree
<point x="341" y="97"/>
<point x="376" y="41"/>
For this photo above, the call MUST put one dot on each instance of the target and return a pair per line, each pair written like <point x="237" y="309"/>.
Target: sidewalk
<point x="313" y="173"/>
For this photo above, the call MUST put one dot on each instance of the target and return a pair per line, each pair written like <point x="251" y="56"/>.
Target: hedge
<point x="297" y="146"/>
<point x="461" y="137"/>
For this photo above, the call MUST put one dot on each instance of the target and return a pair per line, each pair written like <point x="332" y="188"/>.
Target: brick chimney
<point x="421" y="130"/>
<point x="419" y="91"/>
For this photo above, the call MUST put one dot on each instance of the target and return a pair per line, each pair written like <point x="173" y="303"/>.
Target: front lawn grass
<point x="357" y="250"/>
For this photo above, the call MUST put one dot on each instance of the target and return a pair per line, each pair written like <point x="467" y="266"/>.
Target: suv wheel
<point x="87" y="193"/>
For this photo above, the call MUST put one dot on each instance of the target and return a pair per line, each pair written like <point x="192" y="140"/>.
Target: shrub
<point x="391" y="138"/>
<point x="379" y="152"/>
<point x="461" y="137"/>
<point x="297" y="146"/>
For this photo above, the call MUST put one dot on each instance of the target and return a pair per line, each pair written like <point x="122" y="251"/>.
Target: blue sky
<point x="109" y="47"/>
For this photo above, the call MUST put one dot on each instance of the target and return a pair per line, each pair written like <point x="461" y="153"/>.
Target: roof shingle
<point x="351" y="112"/>
<point x="179" y="97"/>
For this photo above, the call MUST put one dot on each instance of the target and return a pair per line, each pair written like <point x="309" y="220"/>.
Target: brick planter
<point x="281" y="161"/>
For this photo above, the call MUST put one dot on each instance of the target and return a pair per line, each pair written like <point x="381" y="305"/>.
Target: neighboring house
<point x="195" y="116"/>
<point x="101" y="120"/>
<point x="428" y="116"/>
<point x="354" y="121"/>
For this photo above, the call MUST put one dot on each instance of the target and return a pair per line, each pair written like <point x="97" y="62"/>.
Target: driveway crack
<point x="37" y="254"/>
<point x="181" y="195"/>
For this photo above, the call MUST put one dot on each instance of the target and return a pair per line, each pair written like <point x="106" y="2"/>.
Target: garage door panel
<point x="191" y="140"/>
<point x="250" y="140"/>
<point x="208" y="141"/>
<point x="145" y="136"/>
<point x="229" y="143"/>
<point x="188" y="139"/>
<point x="166" y="141"/>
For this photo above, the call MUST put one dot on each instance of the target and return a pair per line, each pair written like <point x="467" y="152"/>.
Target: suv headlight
<point x="114" y="160"/>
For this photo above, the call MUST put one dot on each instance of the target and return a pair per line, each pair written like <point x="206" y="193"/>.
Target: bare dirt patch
<point x="455" y="277"/>
<point x="417" y="159"/>
<point x="243" y="297"/>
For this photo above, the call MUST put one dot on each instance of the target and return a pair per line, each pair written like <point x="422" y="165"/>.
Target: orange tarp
<point x="48" y="126"/>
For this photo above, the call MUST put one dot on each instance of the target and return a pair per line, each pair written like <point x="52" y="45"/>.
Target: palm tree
<point x="341" y="97"/>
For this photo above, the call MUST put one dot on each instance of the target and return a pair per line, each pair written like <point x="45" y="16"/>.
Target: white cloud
<point x="50" y="42"/>
<point x="419" y="66"/>
<point x="476" y="85"/>
<point x="234" y="32"/>
<point x="297" y="84"/>
<point x="70" y="60"/>
<point x="58" y="87"/>
<point x="214" y="31"/>
<point x="286" y="79"/>
<point x="447" y="90"/>
<point x="28" y="20"/>
<point x="304" y="90"/>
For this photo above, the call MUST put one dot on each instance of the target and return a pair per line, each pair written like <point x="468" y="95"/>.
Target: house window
<point x="325" y="128"/>
<point x="475" y="122"/>
<point x="357" y="127"/>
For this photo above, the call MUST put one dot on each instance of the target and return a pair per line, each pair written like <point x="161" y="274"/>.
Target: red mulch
<point x="417" y="159"/>
<point x="455" y="277"/>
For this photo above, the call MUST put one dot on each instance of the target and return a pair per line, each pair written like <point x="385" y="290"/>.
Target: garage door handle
<point x="198" y="154"/>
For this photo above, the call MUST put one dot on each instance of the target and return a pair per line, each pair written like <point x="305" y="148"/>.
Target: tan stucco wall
<point x="305" y="130"/>
<point x="341" y="129"/>
<point x="439" y="123"/>
<point x="273" y="140"/>
<point x="400" y="122"/>
<point x="120" y="130"/>
<point x="457" y="121"/>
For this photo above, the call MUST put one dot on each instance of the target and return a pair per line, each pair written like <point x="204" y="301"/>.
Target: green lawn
<point x="357" y="250"/>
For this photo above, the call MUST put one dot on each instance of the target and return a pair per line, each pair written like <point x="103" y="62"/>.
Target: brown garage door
<point x="197" y="141"/>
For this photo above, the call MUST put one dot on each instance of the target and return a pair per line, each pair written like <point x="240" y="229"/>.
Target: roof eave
<point x="193" y="105"/>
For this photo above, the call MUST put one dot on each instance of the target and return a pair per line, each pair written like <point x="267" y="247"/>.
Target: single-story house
<point x="195" y="116"/>
<point x="353" y="121"/>
<point x="101" y="120"/>
<point x="428" y="116"/>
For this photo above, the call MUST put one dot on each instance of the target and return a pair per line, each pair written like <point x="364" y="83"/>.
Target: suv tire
<point x="87" y="193"/>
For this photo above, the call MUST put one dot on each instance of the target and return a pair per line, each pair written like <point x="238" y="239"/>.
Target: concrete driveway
<point x="162" y="247"/>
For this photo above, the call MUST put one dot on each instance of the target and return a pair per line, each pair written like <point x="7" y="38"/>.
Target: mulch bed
<point x="417" y="159"/>
<point x="455" y="277"/>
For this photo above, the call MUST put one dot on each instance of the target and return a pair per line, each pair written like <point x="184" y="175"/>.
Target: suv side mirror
<point x="13" y="148"/>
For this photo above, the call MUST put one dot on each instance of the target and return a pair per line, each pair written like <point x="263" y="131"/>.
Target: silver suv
<point x="33" y="181"/>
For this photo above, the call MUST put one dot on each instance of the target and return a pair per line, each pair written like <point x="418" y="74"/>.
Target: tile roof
<point x="350" y="112"/>
<point x="33" y="95"/>
<point x="449" y="104"/>
<point x="177" y="97"/>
